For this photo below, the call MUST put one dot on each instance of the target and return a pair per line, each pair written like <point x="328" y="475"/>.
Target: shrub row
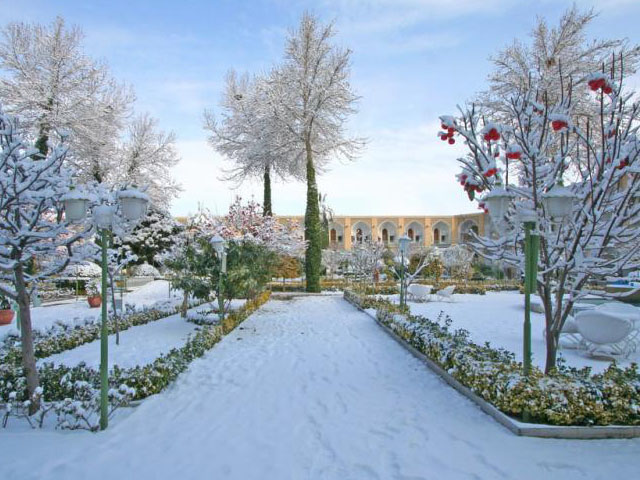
<point x="72" y="392"/>
<point x="568" y="396"/>
<point x="64" y="336"/>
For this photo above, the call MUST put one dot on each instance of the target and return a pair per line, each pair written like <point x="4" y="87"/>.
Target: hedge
<point x="568" y="396"/>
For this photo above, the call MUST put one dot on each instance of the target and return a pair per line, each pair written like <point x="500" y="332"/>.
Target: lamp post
<point x="403" y="247"/>
<point x="133" y="205"/>
<point x="558" y="202"/>
<point x="219" y="245"/>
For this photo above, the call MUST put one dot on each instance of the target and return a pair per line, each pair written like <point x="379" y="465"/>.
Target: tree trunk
<point x="28" y="355"/>
<point x="312" y="227"/>
<point x="266" y="202"/>
<point x="185" y="305"/>
<point x="552" y="351"/>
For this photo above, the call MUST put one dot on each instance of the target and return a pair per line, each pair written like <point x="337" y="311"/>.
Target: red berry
<point x="443" y="126"/>
<point x="452" y="141"/>
<point x="607" y="90"/>
<point x="450" y="130"/>
<point x="514" y="155"/>
<point x="443" y="137"/>
<point x="558" y="124"/>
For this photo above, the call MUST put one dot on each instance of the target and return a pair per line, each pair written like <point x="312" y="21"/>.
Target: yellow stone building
<point x="441" y="230"/>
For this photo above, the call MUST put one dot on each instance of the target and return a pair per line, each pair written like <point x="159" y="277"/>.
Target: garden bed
<point x="492" y="378"/>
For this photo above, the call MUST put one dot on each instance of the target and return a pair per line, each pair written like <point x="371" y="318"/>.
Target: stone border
<point x="515" y="426"/>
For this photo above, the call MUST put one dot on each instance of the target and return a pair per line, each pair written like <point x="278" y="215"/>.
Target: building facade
<point x="442" y="231"/>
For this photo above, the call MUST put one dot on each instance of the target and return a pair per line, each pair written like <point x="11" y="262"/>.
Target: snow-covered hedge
<point x="144" y="270"/>
<point x="60" y="382"/>
<point x="567" y="397"/>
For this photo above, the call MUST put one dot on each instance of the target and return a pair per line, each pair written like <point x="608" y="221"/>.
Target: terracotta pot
<point x="6" y="316"/>
<point x="94" y="301"/>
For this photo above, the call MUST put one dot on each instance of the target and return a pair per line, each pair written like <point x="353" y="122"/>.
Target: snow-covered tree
<point x="366" y="259"/>
<point x="31" y="226"/>
<point x="55" y="87"/>
<point x="312" y="99"/>
<point x="145" y="158"/>
<point x="152" y="236"/>
<point x="248" y="135"/>
<point x="553" y="55"/>
<point x="457" y="259"/>
<point x="541" y="144"/>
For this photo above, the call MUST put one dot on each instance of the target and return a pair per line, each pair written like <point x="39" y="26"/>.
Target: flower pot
<point x="6" y="316"/>
<point x="94" y="301"/>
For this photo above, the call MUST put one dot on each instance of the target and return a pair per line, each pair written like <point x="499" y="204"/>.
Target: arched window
<point x="385" y="235"/>
<point x="436" y="235"/>
<point x="359" y="235"/>
<point x="410" y="233"/>
<point x="333" y="235"/>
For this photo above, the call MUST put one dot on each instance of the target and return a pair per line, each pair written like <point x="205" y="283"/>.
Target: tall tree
<point x="247" y="135"/>
<point x="56" y="88"/>
<point x="311" y="99"/>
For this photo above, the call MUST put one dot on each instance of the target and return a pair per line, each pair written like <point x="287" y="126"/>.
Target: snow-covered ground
<point x="45" y="316"/>
<point x="309" y="389"/>
<point x="139" y="345"/>
<point x="497" y="317"/>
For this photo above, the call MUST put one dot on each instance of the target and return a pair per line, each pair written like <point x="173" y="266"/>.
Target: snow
<point x="139" y="345"/>
<point x="497" y="317"/>
<point x="77" y="312"/>
<point x="309" y="388"/>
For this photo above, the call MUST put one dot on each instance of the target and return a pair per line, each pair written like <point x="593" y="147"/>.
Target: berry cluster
<point x="491" y="171"/>
<point x="623" y="163"/>
<point x="448" y="135"/>
<point x="492" y="135"/>
<point x="600" y="82"/>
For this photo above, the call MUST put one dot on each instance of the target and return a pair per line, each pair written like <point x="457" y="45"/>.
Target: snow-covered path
<point x="309" y="389"/>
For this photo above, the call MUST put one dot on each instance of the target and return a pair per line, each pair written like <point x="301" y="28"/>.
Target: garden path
<point x="309" y="389"/>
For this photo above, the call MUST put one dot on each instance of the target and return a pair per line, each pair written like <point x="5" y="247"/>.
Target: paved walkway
<point x="309" y="389"/>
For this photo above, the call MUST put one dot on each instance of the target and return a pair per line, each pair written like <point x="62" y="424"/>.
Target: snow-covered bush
<point x="82" y="270"/>
<point x="93" y="287"/>
<point x="144" y="270"/>
<point x="566" y="396"/>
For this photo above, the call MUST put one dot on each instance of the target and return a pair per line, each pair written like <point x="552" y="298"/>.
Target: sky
<point x="412" y="61"/>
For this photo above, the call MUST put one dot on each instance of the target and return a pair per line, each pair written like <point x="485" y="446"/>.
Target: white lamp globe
<point x="497" y="202"/>
<point x="75" y="205"/>
<point x="559" y="201"/>
<point x="403" y="244"/>
<point x="133" y="203"/>
<point x="218" y="244"/>
<point x="103" y="216"/>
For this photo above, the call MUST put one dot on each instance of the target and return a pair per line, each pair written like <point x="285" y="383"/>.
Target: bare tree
<point x="547" y="145"/>
<point x="31" y="227"/>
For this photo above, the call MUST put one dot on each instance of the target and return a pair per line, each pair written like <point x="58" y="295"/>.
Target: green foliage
<point x="196" y="269"/>
<point x="312" y="232"/>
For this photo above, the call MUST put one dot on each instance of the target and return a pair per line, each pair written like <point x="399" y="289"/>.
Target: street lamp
<point x="133" y="205"/>
<point x="403" y="247"/>
<point x="497" y="201"/>
<point x="219" y="245"/>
